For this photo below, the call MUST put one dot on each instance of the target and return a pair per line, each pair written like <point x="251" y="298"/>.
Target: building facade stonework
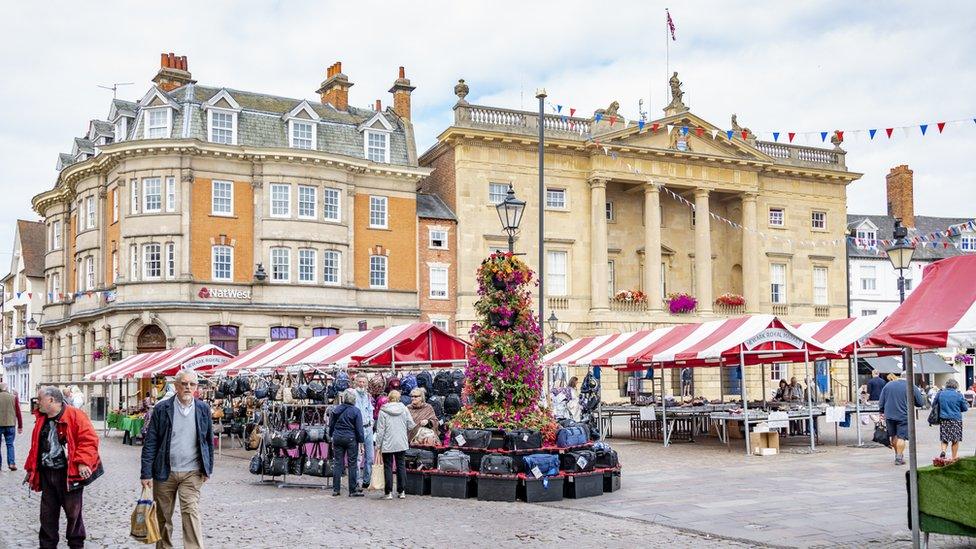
<point x="613" y="225"/>
<point x="216" y="215"/>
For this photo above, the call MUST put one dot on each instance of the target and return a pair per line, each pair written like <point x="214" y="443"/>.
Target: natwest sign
<point x="223" y="293"/>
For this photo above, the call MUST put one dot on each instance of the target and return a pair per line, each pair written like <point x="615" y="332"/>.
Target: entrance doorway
<point x="151" y="339"/>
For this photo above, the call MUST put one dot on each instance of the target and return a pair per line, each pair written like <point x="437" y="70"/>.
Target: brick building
<point x="437" y="262"/>
<point x="200" y="213"/>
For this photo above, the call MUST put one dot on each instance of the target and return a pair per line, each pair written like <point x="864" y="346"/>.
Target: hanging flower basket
<point x="102" y="352"/>
<point x="679" y="303"/>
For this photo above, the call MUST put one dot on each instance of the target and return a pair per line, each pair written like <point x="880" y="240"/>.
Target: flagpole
<point x="667" y="55"/>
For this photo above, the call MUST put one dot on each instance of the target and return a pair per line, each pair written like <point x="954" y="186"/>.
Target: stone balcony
<point x="526" y="123"/>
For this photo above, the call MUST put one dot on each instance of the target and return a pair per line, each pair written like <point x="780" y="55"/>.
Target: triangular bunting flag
<point x="640" y="125"/>
<point x="888" y="131"/>
<point x="30" y="295"/>
<point x="791" y="135"/>
<point x="654" y="126"/>
<point x="823" y="136"/>
<point x="572" y="111"/>
<point x="872" y="132"/>
<point x="941" y="126"/>
<point x="728" y="135"/>
<point x="684" y="130"/>
<point x="904" y="130"/>
<point x="613" y="155"/>
<point x="598" y="117"/>
<point x="559" y="108"/>
<point x="613" y="120"/>
<point x="775" y="136"/>
<point x="714" y="134"/>
<point x="699" y="131"/>
<point x="923" y="127"/>
<point x="840" y="134"/>
<point x="606" y="149"/>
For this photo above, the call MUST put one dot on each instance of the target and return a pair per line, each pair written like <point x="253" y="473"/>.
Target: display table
<point x="131" y="427"/>
<point x="114" y="420"/>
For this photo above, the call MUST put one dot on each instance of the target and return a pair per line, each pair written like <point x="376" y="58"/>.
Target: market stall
<point x="940" y="313"/>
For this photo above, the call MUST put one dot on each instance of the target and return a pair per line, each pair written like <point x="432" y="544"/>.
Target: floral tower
<point x="505" y="377"/>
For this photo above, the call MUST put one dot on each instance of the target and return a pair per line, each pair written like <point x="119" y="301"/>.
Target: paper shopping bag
<point x="144" y="524"/>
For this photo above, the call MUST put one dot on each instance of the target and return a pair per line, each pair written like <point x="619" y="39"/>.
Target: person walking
<point x="11" y="422"/>
<point x="875" y="384"/>
<point x="364" y="402"/>
<point x="894" y="412"/>
<point x="951" y="405"/>
<point x="391" y="438"/>
<point x="346" y="432"/>
<point x="177" y="458"/>
<point x="62" y="460"/>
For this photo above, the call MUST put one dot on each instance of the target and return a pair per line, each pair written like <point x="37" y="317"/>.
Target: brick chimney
<point x="901" y="202"/>
<point x="401" y="95"/>
<point x="173" y="72"/>
<point x="335" y="87"/>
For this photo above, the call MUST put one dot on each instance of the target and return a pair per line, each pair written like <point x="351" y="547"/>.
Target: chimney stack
<point x="335" y="88"/>
<point x="173" y="72"/>
<point x="901" y="201"/>
<point x="401" y="95"/>
<point x="379" y="105"/>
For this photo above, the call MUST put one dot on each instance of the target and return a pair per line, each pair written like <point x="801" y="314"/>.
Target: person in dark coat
<point x="875" y="384"/>
<point x="346" y="432"/>
<point x="951" y="405"/>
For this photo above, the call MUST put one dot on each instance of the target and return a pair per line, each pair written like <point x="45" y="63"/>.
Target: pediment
<point x="222" y="100"/>
<point x="302" y="110"/>
<point x="701" y="137"/>
<point x="156" y="98"/>
<point x="378" y="122"/>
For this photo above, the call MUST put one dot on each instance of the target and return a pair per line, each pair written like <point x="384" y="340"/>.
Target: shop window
<point x="279" y="333"/>
<point x="319" y="332"/>
<point x="225" y="337"/>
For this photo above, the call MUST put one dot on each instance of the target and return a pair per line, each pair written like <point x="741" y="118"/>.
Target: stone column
<point x="652" y="246"/>
<point x="750" y="253"/>
<point x="598" y="245"/>
<point x="703" y="251"/>
<point x="64" y="364"/>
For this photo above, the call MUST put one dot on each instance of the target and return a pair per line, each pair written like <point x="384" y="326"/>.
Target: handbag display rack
<point x="294" y="443"/>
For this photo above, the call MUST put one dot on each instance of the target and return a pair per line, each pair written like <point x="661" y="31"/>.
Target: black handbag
<point x="471" y="438"/>
<point x="257" y="465"/>
<point x="296" y="465"/>
<point x="523" y="439"/>
<point x="277" y="440"/>
<point x="419" y="459"/>
<point x="935" y="416"/>
<point x="242" y="386"/>
<point x="318" y="467"/>
<point x="317" y="433"/>
<point x="227" y="387"/>
<point x="261" y="389"/>
<point x="881" y="434"/>
<point x="300" y="391"/>
<point x="316" y="391"/>
<point x="279" y="466"/>
<point x="228" y="413"/>
<point x="580" y="461"/>
<point x="296" y="437"/>
<point x="497" y="465"/>
<point x="274" y="390"/>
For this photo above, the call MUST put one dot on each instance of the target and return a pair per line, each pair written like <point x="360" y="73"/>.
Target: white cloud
<point x="804" y="66"/>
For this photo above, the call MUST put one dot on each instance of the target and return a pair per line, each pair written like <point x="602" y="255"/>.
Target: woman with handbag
<point x="392" y="426"/>
<point x="951" y="405"/>
<point x="424" y="431"/>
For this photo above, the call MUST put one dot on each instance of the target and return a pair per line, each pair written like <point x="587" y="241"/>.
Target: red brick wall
<point x="442" y="181"/>
<point x="437" y="307"/>
<point x="901" y="202"/>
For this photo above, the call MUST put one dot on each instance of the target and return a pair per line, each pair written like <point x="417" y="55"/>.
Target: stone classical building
<point x="206" y="214"/>
<point x="23" y="298"/>
<point x="768" y="219"/>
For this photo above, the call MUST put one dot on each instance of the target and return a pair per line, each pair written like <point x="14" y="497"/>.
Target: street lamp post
<point x="900" y="254"/>
<point x="553" y="322"/>
<point x="510" y="213"/>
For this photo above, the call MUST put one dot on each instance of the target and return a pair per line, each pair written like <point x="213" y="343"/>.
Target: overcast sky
<point x="782" y="66"/>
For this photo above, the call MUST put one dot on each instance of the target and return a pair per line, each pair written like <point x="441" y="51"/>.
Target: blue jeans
<point x="368" y="454"/>
<point x="7" y="433"/>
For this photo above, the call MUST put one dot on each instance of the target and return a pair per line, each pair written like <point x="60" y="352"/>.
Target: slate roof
<point x="103" y="128"/>
<point x="125" y="108"/>
<point x="33" y="236"/>
<point x="430" y="206"/>
<point x="65" y="160"/>
<point x="84" y="145"/>
<point x="260" y="123"/>
<point x="923" y="225"/>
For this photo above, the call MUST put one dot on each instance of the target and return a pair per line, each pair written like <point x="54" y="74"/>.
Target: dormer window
<point x="377" y="147"/>
<point x="301" y="134"/>
<point x="120" y="129"/>
<point x="222" y="112"/>
<point x="223" y="127"/>
<point x="158" y="123"/>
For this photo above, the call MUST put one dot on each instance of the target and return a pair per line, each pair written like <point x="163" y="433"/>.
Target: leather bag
<point x="494" y="464"/>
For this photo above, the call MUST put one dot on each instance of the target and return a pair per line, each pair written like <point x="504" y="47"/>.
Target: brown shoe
<point x="12" y="467"/>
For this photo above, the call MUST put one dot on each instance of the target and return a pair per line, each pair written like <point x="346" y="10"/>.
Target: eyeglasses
<point x="414" y="396"/>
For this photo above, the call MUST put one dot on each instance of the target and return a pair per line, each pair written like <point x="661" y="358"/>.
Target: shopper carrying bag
<point x="144" y="524"/>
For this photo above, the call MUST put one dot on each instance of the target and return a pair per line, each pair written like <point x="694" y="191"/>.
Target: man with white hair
<point x="177" y="458"/>
<point x="10" y="419"/>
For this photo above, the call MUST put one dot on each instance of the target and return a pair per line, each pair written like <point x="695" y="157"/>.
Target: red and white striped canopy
<point x="201" y="358"/>
<point x="713" y="343"/>
<point x="939" y="313"/>
<point x="840" y="336"/>
<point x="407" y="344"/>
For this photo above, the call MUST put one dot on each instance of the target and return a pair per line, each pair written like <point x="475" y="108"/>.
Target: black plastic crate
<point x="611" y="481"/>
<point x="532" y="491"/>
<point x="584" y="485"/>
<point x="497" y="487"/>
<point x="418" y="483"/>
<point x="450" y="486"/>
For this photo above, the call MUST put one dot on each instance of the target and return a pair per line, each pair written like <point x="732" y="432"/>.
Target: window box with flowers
<point x="730" y="300"/>
<point x="104" y="351"/>
<point x="631" y="296"/>
<point x="680" y="302"/>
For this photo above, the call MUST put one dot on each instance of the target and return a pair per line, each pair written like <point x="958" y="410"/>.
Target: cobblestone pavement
<point x="840" y="496"/>
<point x="239" y="512"/>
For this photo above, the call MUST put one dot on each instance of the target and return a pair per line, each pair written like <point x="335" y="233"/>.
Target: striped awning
<point x="202" y="358"/>
<point x="419" y="343"/>
<point x="713" y="343"/>
<point x="841" y="335"/>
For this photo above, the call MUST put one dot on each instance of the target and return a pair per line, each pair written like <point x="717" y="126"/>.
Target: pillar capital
<point x="701" y="192"/>
<point x="650" y="187"/>
<point x="598" y="182"/>
<point x="750" y="196"/>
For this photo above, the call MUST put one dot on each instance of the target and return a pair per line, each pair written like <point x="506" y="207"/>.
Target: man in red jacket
<point x="62" y="460"/>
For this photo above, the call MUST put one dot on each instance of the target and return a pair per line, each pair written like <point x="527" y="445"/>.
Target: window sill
<point x="778" y="227"/>
<point x="225" y="216"/>
<point x="555" y="209"/>
<point x="375" y="228"/>
<point x="440" y="248"/>
<point x="440" y="298"/>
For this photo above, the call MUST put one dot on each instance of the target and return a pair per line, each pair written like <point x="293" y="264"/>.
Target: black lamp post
<point x="900" y="254"/>
<point x="552" y="320"/>
<point x="510" y="213"/>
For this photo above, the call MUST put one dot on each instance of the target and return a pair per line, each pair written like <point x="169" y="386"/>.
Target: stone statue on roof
<point x="677" y="104"/>
<point x="609" y="111"/>
<point x="739" y="129"/>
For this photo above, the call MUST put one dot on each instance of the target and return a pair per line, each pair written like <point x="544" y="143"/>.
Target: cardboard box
<point x="764" y="441"/>
<point x="768" y="452"/>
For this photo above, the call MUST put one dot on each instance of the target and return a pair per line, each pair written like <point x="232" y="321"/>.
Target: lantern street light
<point x="552" y="320"/>
<point x="900" y="254"/>
<point x="260" y="275"/>
<point x="32" y="323"/>
<point x="510" y="214"/>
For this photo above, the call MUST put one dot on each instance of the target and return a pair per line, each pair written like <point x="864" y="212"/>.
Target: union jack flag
<point x="670" y="24"/>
